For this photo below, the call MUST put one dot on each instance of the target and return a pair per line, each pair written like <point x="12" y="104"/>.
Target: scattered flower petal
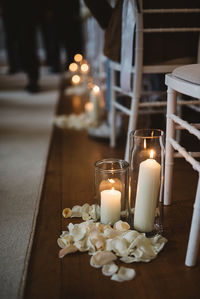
<point x="76" y="211"/>
<point x="101" y="258"/>
<point x="109" y="269"/>
<point x="120" y="246"/>
<point x="67" y="213"/>
<point x="85" y="208"/>
<point x="78" y="232"/>
<point x="61" y="243"/>
<point x="124" y="274"/>
<point x="81" y="245"/>
<point x="105" y="243"/>
<point x="65" y="241"/>
<point x="67" y="250"/>
<point x="121" y="226"/>
<point x="85" y="216"/>
<point x="130" y="235"/>
<point x="94" y="212"/>
<point x="127" y="259"/>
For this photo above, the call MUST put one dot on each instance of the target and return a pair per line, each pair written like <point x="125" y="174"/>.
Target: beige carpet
<point x="25" y="133"/>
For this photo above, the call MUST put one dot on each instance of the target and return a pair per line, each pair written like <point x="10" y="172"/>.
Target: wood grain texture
<point x="70" y="181"/>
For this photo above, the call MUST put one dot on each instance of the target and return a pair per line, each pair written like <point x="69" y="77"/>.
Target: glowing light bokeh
<point x="76" y="79"/>
<point x="78" y="57"/>
<point x="84" y="68"/>
<point x="89" y="106"/>
<point x="73" y="67"/>
<point x="96" y="89"/>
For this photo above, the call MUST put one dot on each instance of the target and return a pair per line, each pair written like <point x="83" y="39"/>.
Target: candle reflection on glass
<point x="111" y="183"/>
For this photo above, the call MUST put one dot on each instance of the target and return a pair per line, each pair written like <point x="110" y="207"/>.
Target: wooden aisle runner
<point x="70" y="181"/>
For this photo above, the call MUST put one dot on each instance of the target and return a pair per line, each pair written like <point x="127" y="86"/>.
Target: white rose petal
<point x="78" y="232"/>
<point x="101" y="258"/>
<point x="124" y="274"/>
<point x="121" y="226"/>
<point x="76" y="211"/>
<point x="109" y="269"/>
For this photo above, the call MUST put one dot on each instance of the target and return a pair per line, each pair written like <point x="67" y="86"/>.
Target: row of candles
<point x="79" y="70"/>
<point x="111" y="191"/>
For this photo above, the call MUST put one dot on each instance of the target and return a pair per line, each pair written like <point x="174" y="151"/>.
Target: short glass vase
<point x="111" y="189"/>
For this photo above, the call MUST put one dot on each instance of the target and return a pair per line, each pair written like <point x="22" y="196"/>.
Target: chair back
<point x="158" y="36"/>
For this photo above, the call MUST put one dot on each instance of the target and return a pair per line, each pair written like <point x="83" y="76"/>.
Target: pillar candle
<point x="110" y="206"/>
<point x="95" y="99"/>
<point x="147" y="195"/>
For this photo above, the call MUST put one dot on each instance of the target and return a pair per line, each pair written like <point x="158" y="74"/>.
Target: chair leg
<point x="112" y="110"/>
<point x="194" y="239"/>
<point x="169" y="160"/>
<point x="132" y="123"/>
<point x="179" y="114"/>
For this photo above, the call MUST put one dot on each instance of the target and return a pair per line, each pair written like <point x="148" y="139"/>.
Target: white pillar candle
<point x="95" y="100"/>
<point x="110" y="206"/>
<point x="147" y="195"/>
<point x="89" y="111"/>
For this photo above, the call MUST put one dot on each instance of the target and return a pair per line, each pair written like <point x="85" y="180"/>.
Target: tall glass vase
<point x="146" y="158"/>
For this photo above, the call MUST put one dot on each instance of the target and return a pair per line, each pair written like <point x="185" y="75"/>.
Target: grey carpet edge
<point x="35" y="216"/>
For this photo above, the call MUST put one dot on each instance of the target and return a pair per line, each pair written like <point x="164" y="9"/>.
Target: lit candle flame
<point x="151" y="154"/>
<point x="78" y="57"/>
<point x="84" y="67"/>
<point x="113" y="189"/>
<point x="145" y="143"/>
<point x="96" y="89"/>
<point x="76" y="79"/>
<point x="73" y="67"/>
<point x="111" y="181"/>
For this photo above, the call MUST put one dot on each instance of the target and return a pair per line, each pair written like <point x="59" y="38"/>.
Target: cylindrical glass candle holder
<point x="146" y="158"/>
<point x="111" y="189"/>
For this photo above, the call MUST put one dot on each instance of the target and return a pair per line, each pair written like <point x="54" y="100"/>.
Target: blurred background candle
<point x="95" y="100"/>
<point x="78" y="58"/>
<point x="147" y="194"/>
<point x="73" y="67"/>
<point x="85" y="68"/>
<point x="89" y="110"/>
<point x="76" y="79"/>
<point x="110" y="206"/>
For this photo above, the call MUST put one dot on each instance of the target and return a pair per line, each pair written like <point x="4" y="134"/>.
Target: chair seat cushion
<point x="190" y="72"/>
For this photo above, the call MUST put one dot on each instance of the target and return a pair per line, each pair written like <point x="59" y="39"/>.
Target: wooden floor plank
<point x="70" y="181"/>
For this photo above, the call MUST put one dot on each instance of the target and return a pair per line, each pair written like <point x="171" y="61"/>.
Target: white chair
<point x="184" y="80"/>
<point x="134" y="31"/>
<point x="93" y="37"/>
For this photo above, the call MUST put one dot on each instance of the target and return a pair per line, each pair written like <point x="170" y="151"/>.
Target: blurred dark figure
<point x="68" y="33"/>
<point x="20" y="18"/>
<point x="47" y="27"/>
<point x="13" y="42"/>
